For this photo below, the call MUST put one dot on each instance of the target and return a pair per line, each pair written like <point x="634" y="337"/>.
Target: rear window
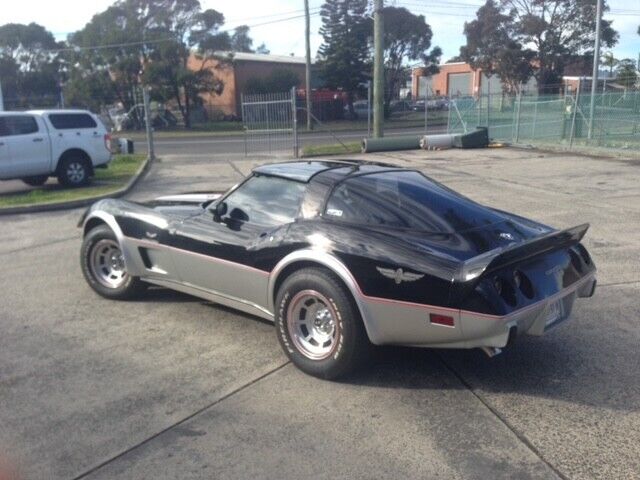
<point x="17" y="125"/>
<point x="406" y="200"/>
<point x="67" y="121"/>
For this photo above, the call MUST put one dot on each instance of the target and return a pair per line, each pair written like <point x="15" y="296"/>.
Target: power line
<point x="162" y="40"/>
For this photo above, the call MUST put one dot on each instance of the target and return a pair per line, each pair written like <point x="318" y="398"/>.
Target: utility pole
<point x="378" y="70"/>
<point x="596" y="64"/>
<point x="307" y="84"/>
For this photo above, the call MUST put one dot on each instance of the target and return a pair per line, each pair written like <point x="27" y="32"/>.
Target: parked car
<point x="438" y="103"/>
<point x="68" y="144"/>
<point x="360" y="110"/>
<point x="345" y="254"/>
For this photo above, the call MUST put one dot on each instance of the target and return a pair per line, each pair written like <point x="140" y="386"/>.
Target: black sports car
<point x="345" y="254"/>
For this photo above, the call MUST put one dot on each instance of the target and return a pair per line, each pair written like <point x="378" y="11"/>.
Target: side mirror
<point x="219" y="211"/>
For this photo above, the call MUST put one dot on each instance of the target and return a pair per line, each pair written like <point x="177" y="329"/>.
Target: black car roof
<point x="305" y="171"/>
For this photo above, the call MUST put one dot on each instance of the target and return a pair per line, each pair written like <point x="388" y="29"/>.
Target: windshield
<point x="406" y="199"/>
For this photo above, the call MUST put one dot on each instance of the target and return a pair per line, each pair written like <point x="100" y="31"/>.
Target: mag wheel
<point x="74" y="172"/>
<point x="103" y="265"/>
<point x="318" y="324"/>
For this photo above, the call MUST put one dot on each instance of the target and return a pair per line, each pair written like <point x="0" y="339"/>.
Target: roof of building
<point x="262" y="57"/>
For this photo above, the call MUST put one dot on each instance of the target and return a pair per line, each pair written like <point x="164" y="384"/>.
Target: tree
<point x="155" y="40"/>
<point x="626" y="73"/>
<point x="262" y="48"/>
<point x="608" y="60"/>
<point x="91" y="90"/>
<point x="240" y="40"/>
<point x="406" y="37"/>
<point x="30" y="66"/>
<point x="492" y="48"/>
<point x="344" y="53"/>
<point x="279" y="80"/>
<point x="557" y="30"/>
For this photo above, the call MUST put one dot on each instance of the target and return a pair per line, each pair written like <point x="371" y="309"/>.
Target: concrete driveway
<point x="173" y="387"/>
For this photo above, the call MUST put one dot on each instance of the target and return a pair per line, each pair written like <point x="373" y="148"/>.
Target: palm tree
<point x="608" y="60"/>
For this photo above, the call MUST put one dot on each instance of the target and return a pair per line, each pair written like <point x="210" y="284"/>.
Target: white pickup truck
<point x="38" y="144"/>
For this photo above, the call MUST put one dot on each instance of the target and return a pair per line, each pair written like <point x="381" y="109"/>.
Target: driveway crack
<point x="180" y="422"/>
<point x="502" y="419"/>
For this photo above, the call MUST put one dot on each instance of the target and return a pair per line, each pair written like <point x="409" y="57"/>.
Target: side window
<point x="264" y="200"/>
<point x="17" y="125"/>
<point x="70" y="121"/>
<point x="369" y="203"/>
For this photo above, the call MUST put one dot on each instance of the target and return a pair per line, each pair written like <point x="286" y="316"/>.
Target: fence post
<point x="535" y="119"/>
<point x="294" y="113"/>
<point x="244" y="124"/>
<point x="489" y="105"/>
<point x="573" y="118"/>
<point x="369" y="110"/>
<point x="451" y="103"/>
<point x="426" y="98"/>
<point x="518" y="117"/>
<point x="147" y="120"/>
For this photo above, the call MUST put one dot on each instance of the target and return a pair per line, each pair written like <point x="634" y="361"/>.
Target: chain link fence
<point x="552" y="119"/>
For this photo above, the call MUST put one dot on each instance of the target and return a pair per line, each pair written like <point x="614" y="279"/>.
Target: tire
<point x="74" y="171"/>
<point x="36" y="181"/>
<point x="103" y="266"/>
<point x="336" y="344"/>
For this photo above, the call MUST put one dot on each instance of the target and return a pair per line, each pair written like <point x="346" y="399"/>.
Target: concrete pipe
<point x="389" y="144"/>
<point x="436" y="142"/>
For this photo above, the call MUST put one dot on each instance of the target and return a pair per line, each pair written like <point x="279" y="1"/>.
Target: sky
<point x="280" y="25"/>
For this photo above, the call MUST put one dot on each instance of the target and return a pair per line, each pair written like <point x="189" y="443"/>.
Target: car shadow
<point x="570" y="365"/>
<point x="536" y="367"/>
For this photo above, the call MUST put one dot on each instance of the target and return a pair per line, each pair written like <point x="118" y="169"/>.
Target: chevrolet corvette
<point x="342" y="255"/>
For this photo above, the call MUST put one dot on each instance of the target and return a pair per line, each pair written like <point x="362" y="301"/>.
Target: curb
<point x="83" y="202"/>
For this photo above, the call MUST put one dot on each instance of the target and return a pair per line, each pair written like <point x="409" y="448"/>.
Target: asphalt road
<point x="261" y="144"/>
<point x="170" y="386"/>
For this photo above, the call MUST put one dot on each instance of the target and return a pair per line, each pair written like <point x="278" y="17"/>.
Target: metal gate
<point x="270" y="123"/>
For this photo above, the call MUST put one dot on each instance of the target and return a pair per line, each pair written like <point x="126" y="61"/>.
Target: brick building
<point x="454" y="80"/>
<point x="237" y="73"/>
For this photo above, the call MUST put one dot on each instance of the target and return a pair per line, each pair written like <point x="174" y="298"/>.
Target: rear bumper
<point x="402" y="323"/>
<point x="490" y="331"/>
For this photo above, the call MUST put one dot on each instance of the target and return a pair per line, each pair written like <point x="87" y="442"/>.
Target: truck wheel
<point x="36" y="181"/>
<point x="319" y="326"/>
<point x="74" y="171"/>
<point x="103" y="266"/>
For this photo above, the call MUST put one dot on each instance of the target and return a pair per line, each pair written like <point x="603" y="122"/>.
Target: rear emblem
<point x="399" y="275"/>
<point x="507" y="236"/>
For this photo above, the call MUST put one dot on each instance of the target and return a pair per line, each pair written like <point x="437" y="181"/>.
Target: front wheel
<point x="319" y="326"/>
<point x="103" y="266"/>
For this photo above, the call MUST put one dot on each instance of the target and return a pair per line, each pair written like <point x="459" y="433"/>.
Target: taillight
<point x="441" y="320"/>
<point x="107" y="141"/>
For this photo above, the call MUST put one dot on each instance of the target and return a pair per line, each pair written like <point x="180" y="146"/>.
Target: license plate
<point x="555" y="312"/>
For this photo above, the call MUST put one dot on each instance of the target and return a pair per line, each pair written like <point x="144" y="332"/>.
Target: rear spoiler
<point x="501" y="257"/>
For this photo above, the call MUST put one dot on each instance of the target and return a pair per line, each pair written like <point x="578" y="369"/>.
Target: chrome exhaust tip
<point x="491" y="351"/>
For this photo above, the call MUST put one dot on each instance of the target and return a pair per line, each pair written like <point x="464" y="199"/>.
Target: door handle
<point x="38" y="139"/>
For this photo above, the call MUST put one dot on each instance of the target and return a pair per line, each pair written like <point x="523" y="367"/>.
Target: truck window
<point x="17" y="125"/>
<point x="69" y="121"/>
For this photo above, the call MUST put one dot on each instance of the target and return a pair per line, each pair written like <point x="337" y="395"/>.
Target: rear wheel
<point x="319" y="326"/>
<point x="74" y="171"/>
<point x="103" y="266"/>
<point x="36" y="181"/>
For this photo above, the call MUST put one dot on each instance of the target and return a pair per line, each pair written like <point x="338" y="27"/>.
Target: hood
<point x="182" y="205"/>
